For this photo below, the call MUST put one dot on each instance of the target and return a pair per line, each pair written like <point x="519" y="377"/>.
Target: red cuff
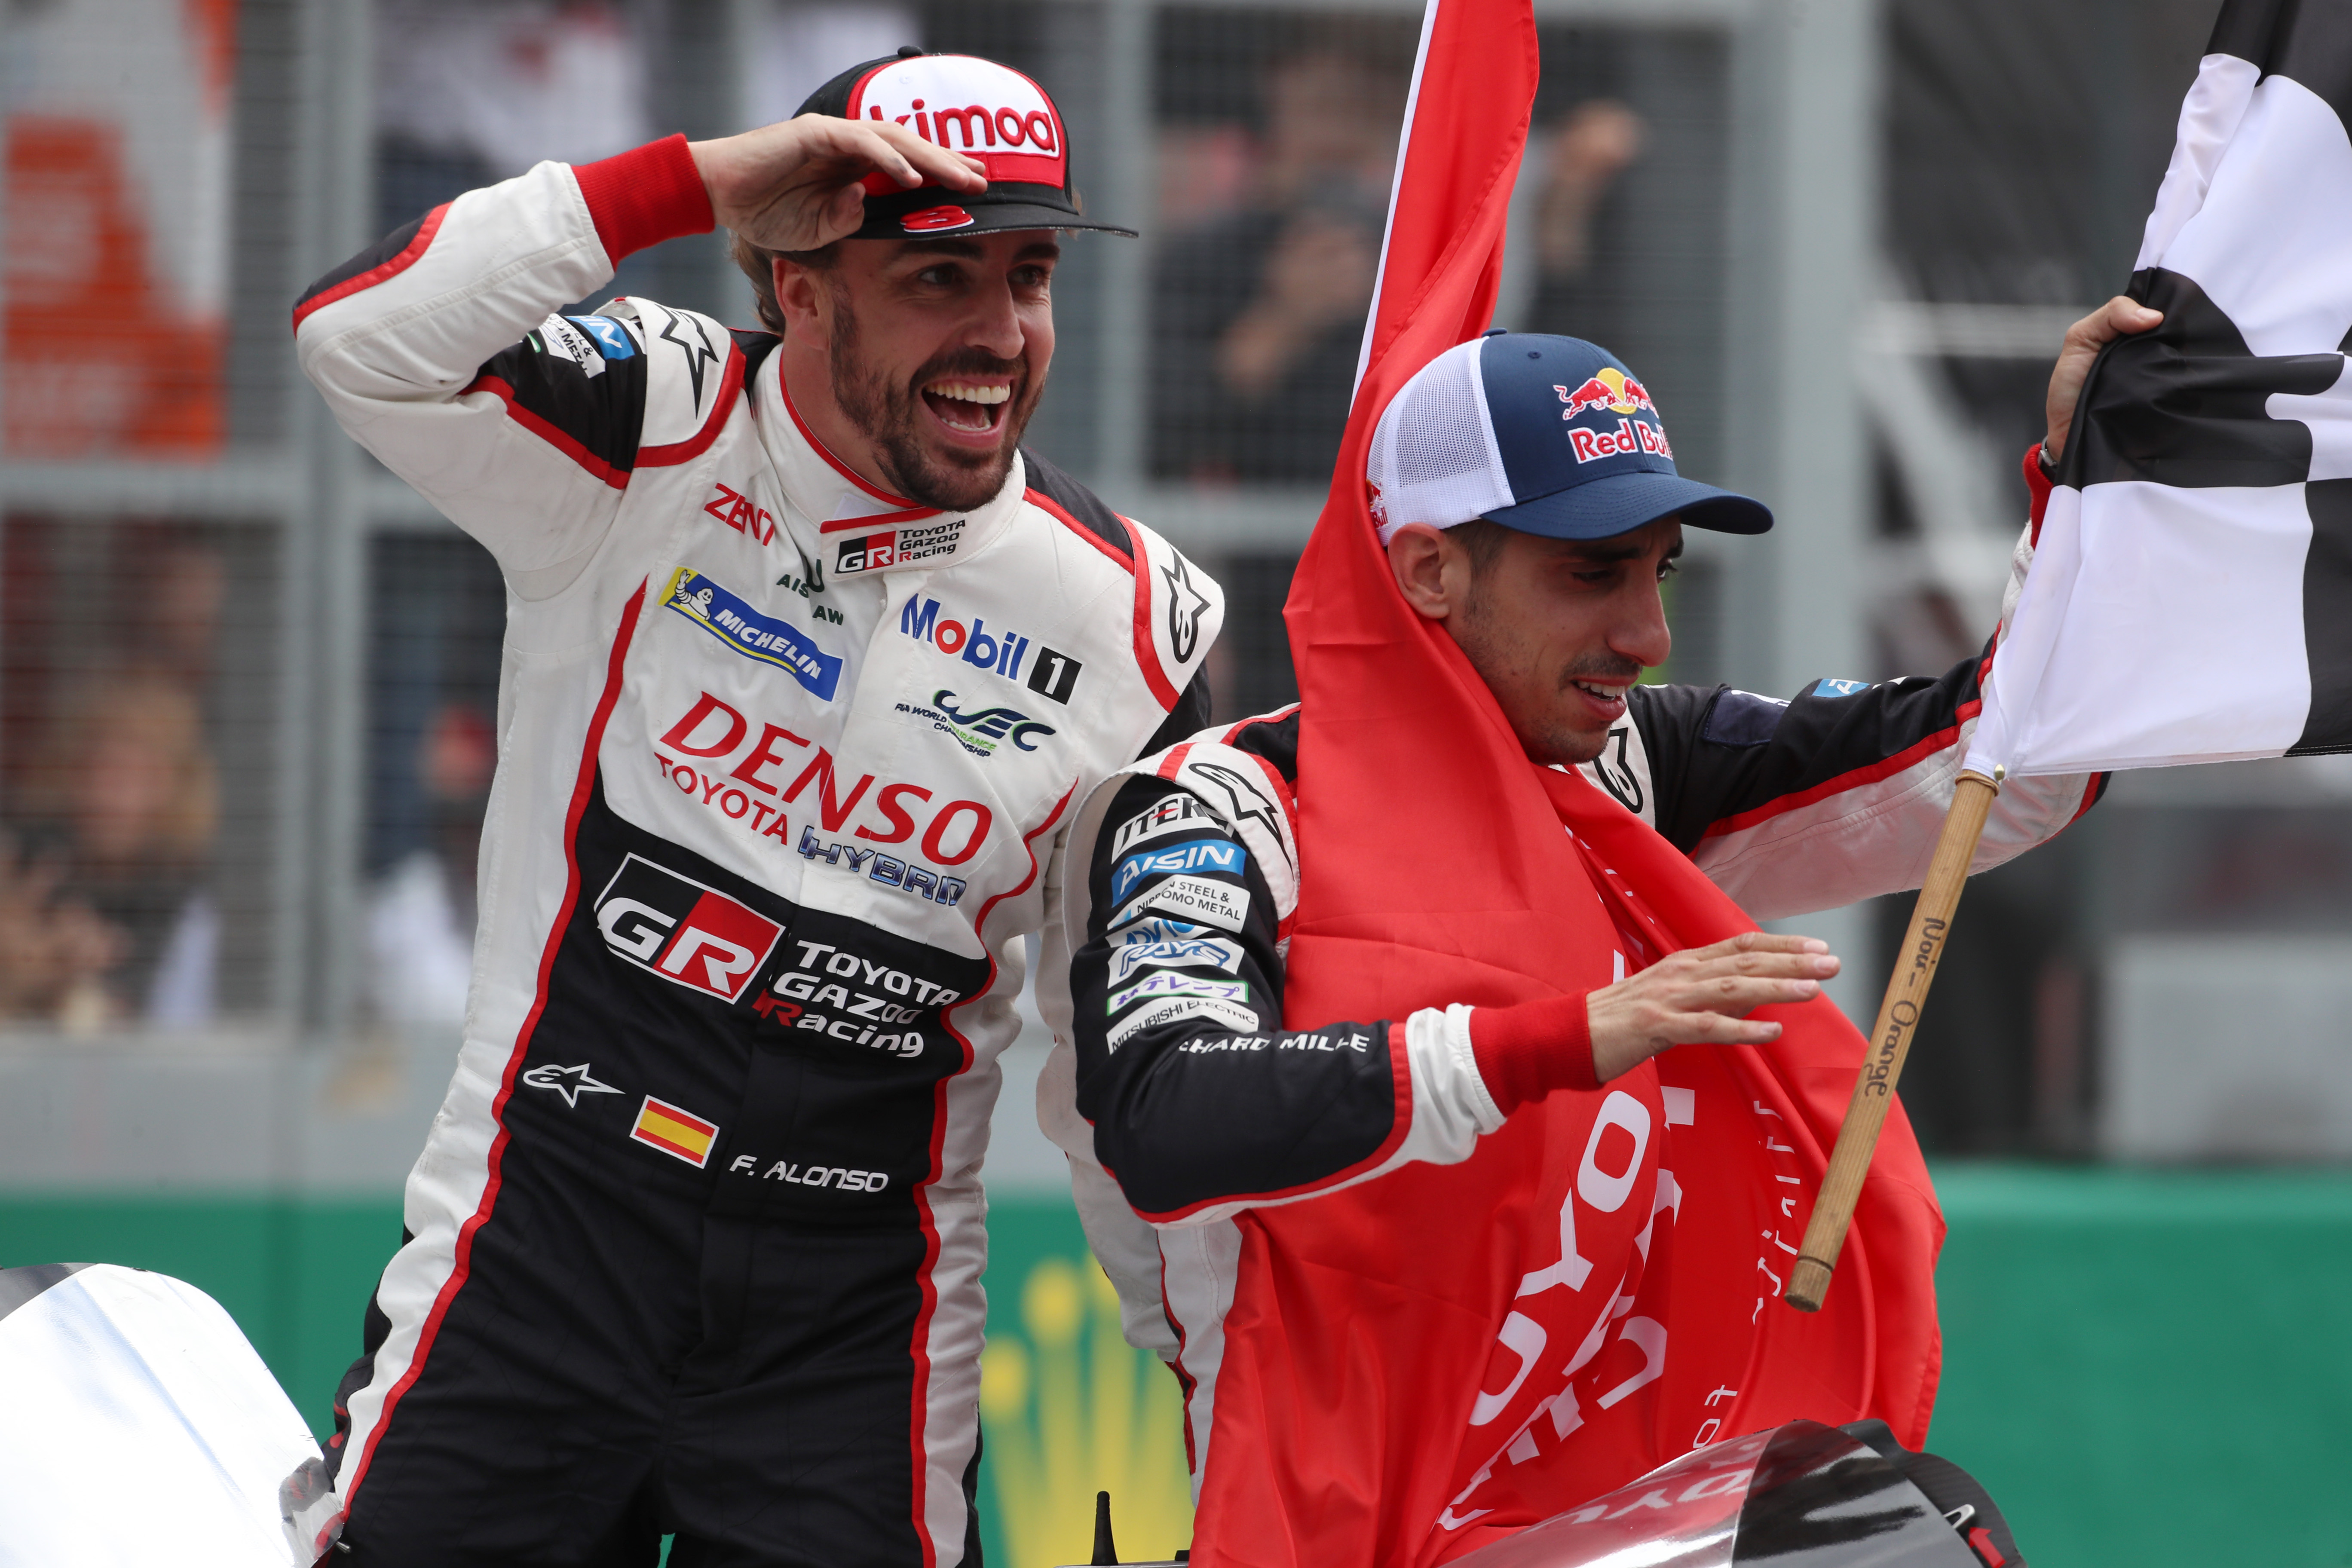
<point x="2037" y="485"/>
<point x="645" y="195"/>
<point x="1526" y="1052"/>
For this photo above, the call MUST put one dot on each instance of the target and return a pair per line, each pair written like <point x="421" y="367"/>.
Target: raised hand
<point x="2119" y="316"/>
<point x="795" y="185"/>
<point x="1702" y="996"/>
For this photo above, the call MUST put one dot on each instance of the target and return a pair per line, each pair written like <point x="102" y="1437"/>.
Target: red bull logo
<point x="1609" y="388"/>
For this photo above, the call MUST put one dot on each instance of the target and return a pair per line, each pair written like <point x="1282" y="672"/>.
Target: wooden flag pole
<point x="1890" y="1041"/>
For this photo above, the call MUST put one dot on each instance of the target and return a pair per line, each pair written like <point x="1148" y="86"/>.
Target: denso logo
<point x="975" y="106"/>
<point x="1054" y="675"/>
<point x="730" y="773"/>
<point x="688" y="934"/>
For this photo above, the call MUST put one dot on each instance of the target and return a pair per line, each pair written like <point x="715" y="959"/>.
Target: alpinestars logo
<point x="1185" y="604"/>
<point x="571" y="1082"/>
<point x="1248" y="803"/>
<point x="688" y="934"/>
<point x="698" y="353"/>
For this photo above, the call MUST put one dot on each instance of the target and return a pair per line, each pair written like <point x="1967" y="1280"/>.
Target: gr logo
<point x="688" y="934"/>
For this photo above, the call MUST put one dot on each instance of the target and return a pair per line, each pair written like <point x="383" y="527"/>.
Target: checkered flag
<point x="2191" y="593"/>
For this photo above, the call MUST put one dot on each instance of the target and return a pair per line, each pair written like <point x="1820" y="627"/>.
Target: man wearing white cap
<point x="1525" y="491"/>
<point x="807" y="665"/>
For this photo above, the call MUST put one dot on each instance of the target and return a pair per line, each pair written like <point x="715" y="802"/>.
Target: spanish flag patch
<point x="675" y="1131"/>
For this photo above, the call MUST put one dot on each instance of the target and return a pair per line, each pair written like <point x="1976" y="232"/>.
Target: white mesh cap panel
<point x="1433" y="455"/>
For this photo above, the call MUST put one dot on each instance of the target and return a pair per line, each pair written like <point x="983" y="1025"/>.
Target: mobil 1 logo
<point x="689" y="934"/>
<point x="1054" y="675"/>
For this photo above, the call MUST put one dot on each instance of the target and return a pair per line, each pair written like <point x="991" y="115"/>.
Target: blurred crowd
<point x="1275" y="233"/>
<point x="110" y="803"/>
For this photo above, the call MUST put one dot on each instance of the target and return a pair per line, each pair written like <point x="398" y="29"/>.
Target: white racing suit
<point x="695" y="1245"/>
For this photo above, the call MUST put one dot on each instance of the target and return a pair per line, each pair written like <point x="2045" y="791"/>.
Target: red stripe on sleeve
<point x="645" y="195"/>
<point x="1885" y="768"/>
<point x="1147" y="653"/>
<point x="694" y="445"/>
<point x="2037" y="485"/>
<point x="409" y="253"/>
<point x="1053" y="509"/>
<point x="549" y="432"/>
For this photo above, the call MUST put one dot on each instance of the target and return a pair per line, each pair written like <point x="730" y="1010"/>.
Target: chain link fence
<point x="248" y="682"/>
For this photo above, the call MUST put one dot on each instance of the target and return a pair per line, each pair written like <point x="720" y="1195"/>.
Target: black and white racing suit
<point x="695" y="1245"/>
<point x="1182" y="1099"/>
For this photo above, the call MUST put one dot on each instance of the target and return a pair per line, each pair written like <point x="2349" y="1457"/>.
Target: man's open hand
<point x="1702" y="996"/>
<point x="794" y="185"/>
<point x="2119" y="316"/>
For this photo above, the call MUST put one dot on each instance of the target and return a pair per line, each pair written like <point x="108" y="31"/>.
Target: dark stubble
<point x="888" y="413"/>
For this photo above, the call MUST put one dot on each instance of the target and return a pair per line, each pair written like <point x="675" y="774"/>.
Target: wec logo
<point x="688" y="934"/>
<point x="981" y="730"/>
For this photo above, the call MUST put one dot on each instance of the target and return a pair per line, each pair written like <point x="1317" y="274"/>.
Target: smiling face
<point x="1559" y="629"/>
<point x="918" y="363"/>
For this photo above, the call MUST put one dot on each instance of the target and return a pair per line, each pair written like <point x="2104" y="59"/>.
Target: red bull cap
<point x="970" y="105"/>
<point x="1547" y="435"/>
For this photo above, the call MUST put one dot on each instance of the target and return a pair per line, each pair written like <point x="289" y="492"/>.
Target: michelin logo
<point x="1194" y="854"/>
<point x="1191" y="899"/>
<point x="751" y="634"/>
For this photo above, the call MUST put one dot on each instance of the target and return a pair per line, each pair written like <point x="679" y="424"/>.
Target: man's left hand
<point x="2119" y="316"/>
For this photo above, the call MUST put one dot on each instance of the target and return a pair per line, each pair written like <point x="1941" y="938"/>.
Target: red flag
<point x="1416" y="1365"/>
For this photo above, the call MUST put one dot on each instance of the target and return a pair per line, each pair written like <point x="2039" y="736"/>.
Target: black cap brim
<point x="1620" y="503"/>
<point x="1001" y="208"/>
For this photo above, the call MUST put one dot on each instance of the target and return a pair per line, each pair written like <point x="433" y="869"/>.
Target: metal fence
<point x="247" y="682"/>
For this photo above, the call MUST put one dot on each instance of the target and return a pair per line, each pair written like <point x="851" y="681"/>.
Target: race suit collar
<point x="835" y="516"/>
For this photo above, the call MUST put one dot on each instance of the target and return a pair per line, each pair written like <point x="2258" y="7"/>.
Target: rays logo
<point x="689" y="934"/>
<point x="1186" y="953"/>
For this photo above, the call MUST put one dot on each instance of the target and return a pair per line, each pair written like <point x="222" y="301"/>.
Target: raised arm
<point x="439" y="348"/>
<point x="1835" y="795"/>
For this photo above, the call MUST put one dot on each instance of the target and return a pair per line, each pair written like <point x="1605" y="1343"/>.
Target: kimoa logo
<point x="974" y="106"/>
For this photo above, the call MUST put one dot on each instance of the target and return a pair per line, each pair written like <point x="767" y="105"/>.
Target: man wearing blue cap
<point x="1525" y="491"/>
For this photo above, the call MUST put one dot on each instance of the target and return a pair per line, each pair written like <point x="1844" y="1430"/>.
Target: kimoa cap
<point x="965" y="104"/>
<point x="1546" y="435"/>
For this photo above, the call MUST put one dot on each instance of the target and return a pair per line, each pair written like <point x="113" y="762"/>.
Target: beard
<point x="891" y="415"/>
